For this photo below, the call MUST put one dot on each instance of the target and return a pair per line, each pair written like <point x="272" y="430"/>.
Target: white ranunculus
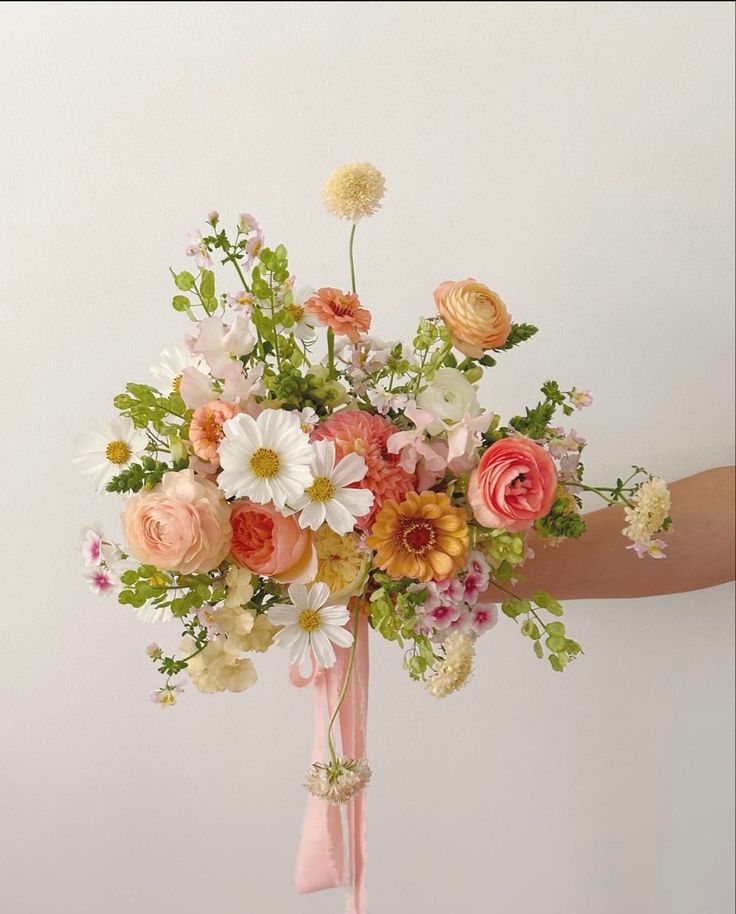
<point x="450" y="397"/>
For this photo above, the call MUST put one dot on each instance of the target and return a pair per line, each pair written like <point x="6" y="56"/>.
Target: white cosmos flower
<point x="106" y="453"/>
<point x="172" y="362"/>
<point x="327" y="498"/>
<point x="308" y="623"/>
<point x="265" y="459"/>
<point x="304" y="323"/>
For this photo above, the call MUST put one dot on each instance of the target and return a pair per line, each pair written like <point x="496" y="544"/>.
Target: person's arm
<point x="700" y="549"/>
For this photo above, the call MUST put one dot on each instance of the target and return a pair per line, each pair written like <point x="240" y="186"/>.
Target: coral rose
<point x="476" y="317"/>
<point x="341" y="311"/>
<point x="183" y="524"/>
<point x="513" y="485"/>
<point x="267" y="543"/>
<point x="205" y="431"/>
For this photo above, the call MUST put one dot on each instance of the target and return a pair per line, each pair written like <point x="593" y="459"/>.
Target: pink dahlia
<point x="356" y="432"/>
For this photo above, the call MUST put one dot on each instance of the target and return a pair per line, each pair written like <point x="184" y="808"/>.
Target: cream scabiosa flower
<point x="106" y="453"/>
<point x="309" y="624"/>
<point x="354" y="191"/>
<point x="327" y="499"/>
<point x="454" y="671"/>
<point x="265" y="459"/>
<point x="338" y="781"/>
<point x="649" y="514"/>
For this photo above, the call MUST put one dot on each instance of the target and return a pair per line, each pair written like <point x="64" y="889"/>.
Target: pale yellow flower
<point x="219" y="667"/>
<point x="340" y="563"/>
<point x="354" y="191"/>
<point x="260" y="637"/>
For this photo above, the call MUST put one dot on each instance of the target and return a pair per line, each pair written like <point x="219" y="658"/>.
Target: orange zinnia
<point x="423" y="537"/>
<point x="341" y="311"/>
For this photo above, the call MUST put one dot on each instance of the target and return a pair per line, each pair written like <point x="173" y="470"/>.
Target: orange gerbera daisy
<point x="423" y="537"/>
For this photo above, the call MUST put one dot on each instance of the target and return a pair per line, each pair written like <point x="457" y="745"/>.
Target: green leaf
<point x="180" y="302"/>
<point x="207" y="284"/>
<point x="129" y="577"/>
<point x="519" y="334"/>
<point x="184" y="281"/>
<point x="555" y="628"/>
<point x="555" y="643"/>
<point x="538" y="649"/>
<point x="554" y="662"/>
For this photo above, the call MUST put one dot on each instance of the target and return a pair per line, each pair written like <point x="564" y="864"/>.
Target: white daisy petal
<point x="323" y="649"/>
<point x="313" y="515"/>
<point x="324" y="458"/>
<point x="280" y="614"/>
<point x="352" y="468"/>
<point x="357" y="501"/>
<point x="334" y="615"/>
<point x="319" y="594"/>
<point x="338" y="518"/>
<point x="339" y="636"/>
<point x="299" y="596"/>
<point x="300" y="649"/>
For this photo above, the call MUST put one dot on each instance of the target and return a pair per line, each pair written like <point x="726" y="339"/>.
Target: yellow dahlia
<point x="354" y="191"/>
<point x="423" y="537"/>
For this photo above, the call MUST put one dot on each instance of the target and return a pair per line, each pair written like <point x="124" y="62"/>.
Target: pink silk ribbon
<point x="320" y="863"/>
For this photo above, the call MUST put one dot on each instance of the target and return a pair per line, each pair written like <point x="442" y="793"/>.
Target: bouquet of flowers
<point x="291" y="480"/>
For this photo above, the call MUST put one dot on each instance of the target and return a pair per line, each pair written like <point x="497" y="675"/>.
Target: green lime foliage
<point x="548" y="638"/>
<point x="144" y="475"/>
<point x="394" y="616"/>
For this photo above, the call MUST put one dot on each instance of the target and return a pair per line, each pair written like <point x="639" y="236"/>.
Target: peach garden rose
<point x="475" y="316"/>
<point x="513" y="485"/>
<point x="183" y="524"/>
<point x="269" y="544"/>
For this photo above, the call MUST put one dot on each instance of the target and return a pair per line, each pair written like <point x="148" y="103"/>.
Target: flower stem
<point x="331" y="351"/>
<point x="345" y="683"/>
<point x="352" y="260"/>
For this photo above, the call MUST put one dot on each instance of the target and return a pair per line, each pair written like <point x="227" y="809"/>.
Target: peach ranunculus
<point x="205" y="430"/>
<point x="267" y="543"/>
<point x="513" y="485"/>
<point x="183" y="524"/>
<point x="476" y="317"/>
<point x="341" y="311"/>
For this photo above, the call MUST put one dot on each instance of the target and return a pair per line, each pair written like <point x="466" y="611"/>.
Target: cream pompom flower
<point x="339" y="781"/>
<point x="309" y="624"/>
<point x="456" y="667"/>
<point x="265" y="459"/>
<point x="354" y="191"/>
<point x="649" y="514"/>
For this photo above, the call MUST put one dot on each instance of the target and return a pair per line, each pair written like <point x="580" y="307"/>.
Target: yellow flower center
<point x="265" y="463"/>
<point x="321" y="489"/>
<point x="418" y="536"/>
<point x="308" y="620"/>
<point x="117" y="452"/>
<point x="297" y="312"/>
<point x="167" y="698"/>
<point x="176" y="384"/>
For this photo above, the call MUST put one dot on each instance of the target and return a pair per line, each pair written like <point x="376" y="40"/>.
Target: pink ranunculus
<point x="513" y="485"/>
<point x="205" y="431"/>
<point x="267" y="543"/>
<point x="183" y="524"/>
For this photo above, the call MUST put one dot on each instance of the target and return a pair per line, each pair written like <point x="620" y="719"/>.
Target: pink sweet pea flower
<point x="219" y="343"/>
<point x="197" y="248"/>
<point x="413" y="447"/>
<point x="92" y="548"/>
<point x="195" y="388"/>
<point x="463" y="440"/>
<point x="240" y="386"/>
<point x="580" y="398"/>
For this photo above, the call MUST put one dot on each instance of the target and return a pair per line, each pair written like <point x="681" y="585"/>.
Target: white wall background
<point x="578" y="158"/>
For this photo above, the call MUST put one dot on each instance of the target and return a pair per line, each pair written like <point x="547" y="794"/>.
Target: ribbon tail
<point x="320" y="862"/>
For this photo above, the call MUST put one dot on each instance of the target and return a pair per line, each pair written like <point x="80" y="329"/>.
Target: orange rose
<point x="267" y="543"/>
<point x="476" y="317"/>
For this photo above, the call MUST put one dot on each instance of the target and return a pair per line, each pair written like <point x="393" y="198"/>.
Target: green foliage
<point x="563" y="519"/>
<point x="551" y="636"/>
<point x="520" y="333"/>
<point x="146" y="406"/>
<point x="181" y="593"/>
<point x="394" y="615"/>
<point x="146" y="474"/>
